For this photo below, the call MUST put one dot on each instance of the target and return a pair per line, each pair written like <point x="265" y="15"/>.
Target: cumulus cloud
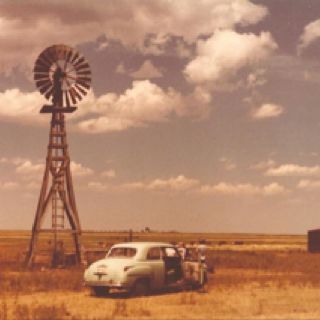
<point x="227" y="164"/>
<point x="262" y="165"/>
<point x="139" y="106"/>
<point x="8" y="185"/>
<point x="267" y="110"/>
<point x="22" y="107"/>
<point x="79" y="170"/>
<point x="256" y="78"/>
<point x="225" y="53"/>
<point x="246" y="189"/>
<point x="309" y="184"/>
<point x="179" y="184"/>
<point x="97" y="186"/>
<point x="293" y="170"/>
<point x="142" y="104"/>
<point x="310" y="34"/>
<point x="85" y="21"/>
<point x="28" y="168"/>
<point x="108" y="173"/>
<point x="146" y="71"/>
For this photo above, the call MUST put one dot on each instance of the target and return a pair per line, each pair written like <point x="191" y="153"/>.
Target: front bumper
<point x="106" y="284"/>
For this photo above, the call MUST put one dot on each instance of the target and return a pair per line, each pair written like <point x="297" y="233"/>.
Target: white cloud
<point x="178" y="184"/>
<point x="168" y="45"/>
<point x="146" y="71"/>
<point x="8" y="185"/>
<point x="142" y="104"/>
<point x="268" y="110"/>
<point x="184" y="185"/>
<point x="27" y="168"/>
<point x="22" y="107"/>
<point x="108" y="173"/>
<point x="225" y="53"/>
<point x="187" y="18"/>
<point x="293" y="170"/>
<point x="97" y="186"/>
<point x="139" y="106"/>
<point x="256" y="78"/>
<point x="273" y="189"/>
<point x="309" y="184"/>
<point x="78" y="170"/>
<point x="262" y="165"/>
<point x="246" y="189"/>
<point x="310" y="34"/>
<point x="227" y="164"/>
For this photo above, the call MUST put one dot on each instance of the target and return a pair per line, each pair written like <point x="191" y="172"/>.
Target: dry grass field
<point x="256" y="277"/>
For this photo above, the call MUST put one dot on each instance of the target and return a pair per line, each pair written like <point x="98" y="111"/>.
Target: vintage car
<point x="137" y="267"/>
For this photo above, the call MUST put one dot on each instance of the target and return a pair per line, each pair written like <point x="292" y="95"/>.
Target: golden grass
<point x="280" y="281"/>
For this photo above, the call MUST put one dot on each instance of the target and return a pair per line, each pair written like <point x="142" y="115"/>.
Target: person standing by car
<point x="202" y="249"/>
<point x="182" y="250"/>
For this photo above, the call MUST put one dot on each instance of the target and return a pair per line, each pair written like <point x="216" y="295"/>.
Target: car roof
<point x="139" y="245"/>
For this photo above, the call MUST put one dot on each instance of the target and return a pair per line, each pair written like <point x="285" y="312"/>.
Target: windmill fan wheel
<point x="67" y="67"/>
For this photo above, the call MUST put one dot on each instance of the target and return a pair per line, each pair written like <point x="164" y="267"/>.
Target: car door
<point x="172" y="264"/>
<point x="156" y="264"/>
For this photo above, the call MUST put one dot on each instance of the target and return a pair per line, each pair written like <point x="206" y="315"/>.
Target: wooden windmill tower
<point x="63" y="76"/>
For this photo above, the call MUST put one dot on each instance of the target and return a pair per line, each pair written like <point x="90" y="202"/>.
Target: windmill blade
<point x="77" y="94"/>
<point x="45" y="88"/>
<point x="82" y="91"/>
<point x="84" y="78"/>
<point x="75" y="57"/>
<point x="72" y="96"/>
<point x="82" y="65"/>
<point x="48" y="56"/>
<point x="49" y="93"/>
<point x="66" y="94"/>
<point x="41" y="83"/>
<point x="79" y="62"/>
<point x="39" y="69"/>
<point x="41" y="76"/>
<point x="83" y="84"/>
<point x="42" y="64"/>
<point x="84" y="73"/>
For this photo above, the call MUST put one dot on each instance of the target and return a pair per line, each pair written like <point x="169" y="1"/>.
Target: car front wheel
<point x="100" y="291"/>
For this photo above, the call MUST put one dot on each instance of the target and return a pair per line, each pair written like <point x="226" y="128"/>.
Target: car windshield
<point x="122" y="252"/>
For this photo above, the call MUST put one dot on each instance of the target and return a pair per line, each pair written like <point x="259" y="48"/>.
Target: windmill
<point x="63" y="76"/>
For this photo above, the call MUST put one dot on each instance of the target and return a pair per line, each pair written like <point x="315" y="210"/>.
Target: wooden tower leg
<point x="58" y="174"/>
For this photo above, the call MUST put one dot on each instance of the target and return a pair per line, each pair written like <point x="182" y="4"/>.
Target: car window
<point x="122" y="252"/>
<point x="170" y="252"/>
<point x="154" y="254"/>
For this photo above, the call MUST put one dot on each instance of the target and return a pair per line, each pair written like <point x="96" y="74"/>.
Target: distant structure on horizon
<point x="63" y="76"/>
<point x="314" y="241"/>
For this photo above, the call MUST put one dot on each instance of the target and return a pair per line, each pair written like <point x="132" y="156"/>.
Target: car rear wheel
<point x="140" y="288"/>
<point x="100" y="291"/>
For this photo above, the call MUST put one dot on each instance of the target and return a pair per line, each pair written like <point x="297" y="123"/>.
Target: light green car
<point x="137" y="267"/>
